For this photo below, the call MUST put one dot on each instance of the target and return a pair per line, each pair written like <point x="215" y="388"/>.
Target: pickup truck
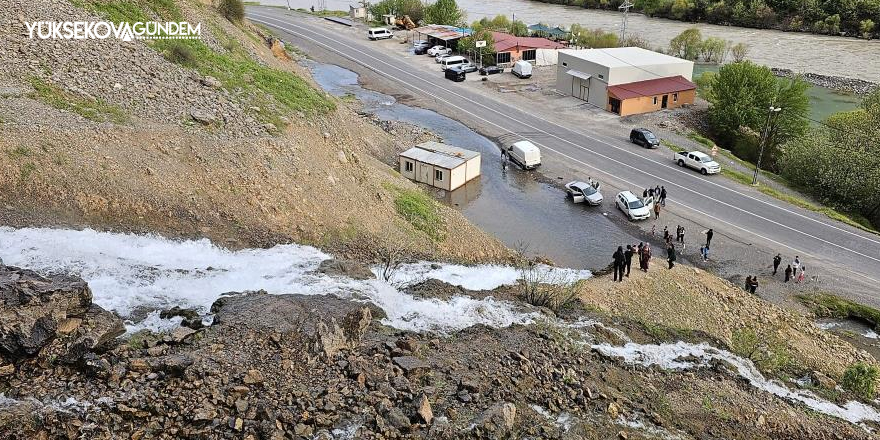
<point x="697" y="160"/>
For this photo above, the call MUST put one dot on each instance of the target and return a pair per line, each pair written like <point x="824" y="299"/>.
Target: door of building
<point x="614" y="103"/>
<point x="584" y="92"/>
<point x="425" y="174"/>
<point x="665" y="101"/>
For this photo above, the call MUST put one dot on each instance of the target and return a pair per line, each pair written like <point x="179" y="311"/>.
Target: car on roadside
<point x="697" y="160"/>
<point x="633" y="207"/>
<point x="437" y="50"/>
<point x="379" y="33"/>
<point x="491" y="70"/>
<point x="644" y="137"/>
<point x="454" y="74"/>
<point x="580" y="192"/>
<point x="468" y="67"/>
<point x="420" y="50"/>
<point x="439" y="58"/>
<point x="417" y="43"/>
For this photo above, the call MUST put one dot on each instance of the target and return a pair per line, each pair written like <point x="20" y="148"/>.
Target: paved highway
<point x="716" y="201"/>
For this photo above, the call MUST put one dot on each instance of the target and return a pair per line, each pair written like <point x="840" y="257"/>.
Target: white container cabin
<point x="440" y="165"/>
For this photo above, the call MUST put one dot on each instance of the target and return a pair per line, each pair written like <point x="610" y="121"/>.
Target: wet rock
<point x="823" y="381"/>
<point x="191" y="317"/>
<point x="7" y="369"/>
<point x="346" y="268"/>
<point x="179" y="335"/>
<point x="174" y="365"/>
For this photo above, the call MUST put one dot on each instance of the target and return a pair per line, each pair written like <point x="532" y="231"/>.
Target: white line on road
<point x="428" y="93"/>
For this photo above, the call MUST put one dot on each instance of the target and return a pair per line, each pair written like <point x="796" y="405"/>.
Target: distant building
<point x="440" y="165"/>
<point x="626" y="80"/>
<point x="538" y="51"/>
<point x="441" y="35"/>
<point x="555" y="33"/>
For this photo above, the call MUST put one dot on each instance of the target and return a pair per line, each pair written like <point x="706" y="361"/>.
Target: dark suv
<point x="644" y="137"/>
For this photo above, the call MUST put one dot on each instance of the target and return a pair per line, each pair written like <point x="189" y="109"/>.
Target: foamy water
<point x="481" y="277"/>
<point x="127" y="271"/>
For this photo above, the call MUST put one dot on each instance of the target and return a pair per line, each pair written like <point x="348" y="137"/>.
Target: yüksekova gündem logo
<point x="101" y="30"/>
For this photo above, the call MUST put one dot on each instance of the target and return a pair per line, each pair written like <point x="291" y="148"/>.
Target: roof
<point x="505" y="42"/>
<point x="625" y="56"/>
<point x="628" y="195"/>
<point x="578" y="74"/>
<point x="553" y="32"/>
<point x="651" y="87"/>
<point x="448" y="149"/>
<point x="443" y="32"/>
<point x="436" y="159"/>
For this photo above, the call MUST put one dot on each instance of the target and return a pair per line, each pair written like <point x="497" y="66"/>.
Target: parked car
<point x="421" y="50"/>
<point x="379" y="33"/>
<point x="468" y="67"/>
<point x="644" y="137"/>
<point x="522" y="69"/>
<point x="437" y="50"/>
<point x="697" y="160"/>
<point x="439" y="58"/>
<point x="454" y="73"/>
<point x="490" y="70"/>
<point x="633" y="207"/>
<point x="525" y="154"/>
<point x="417" y="43"/>
<point x="580" y="192"/>
<point x="452" y="61"/>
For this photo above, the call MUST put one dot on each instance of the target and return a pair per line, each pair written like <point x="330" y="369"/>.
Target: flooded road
<point x="800" y="52"/>
<point x="508" y="204"/>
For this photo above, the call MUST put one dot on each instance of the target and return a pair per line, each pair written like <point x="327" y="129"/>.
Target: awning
<point x="579" y="74"/>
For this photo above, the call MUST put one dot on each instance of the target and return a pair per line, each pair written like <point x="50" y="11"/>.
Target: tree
<point x="593" y="38"/>
<point x="713" y="50"/>
<point x="635" y="40"/>
<point x="866" y="27"/>
<point x="444" y="12"/>
<point x="739" y="51"/>
<point x="741" y="94"/>
<point x="415" y="9"/>
<point x="687" y="44"/>
<point x="519" y="29"/>
<point x="233" y="10"/>
<point x="468" y="45"/>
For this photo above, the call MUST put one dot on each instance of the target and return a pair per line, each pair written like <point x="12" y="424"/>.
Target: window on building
<point x="530" y="55"/>
<point x="408" y="166"/>
<point x="601" y="76"/>
<point x="438" y="175"/>
<point x="565" y="64"/>
<point x="502" y="57"/>
<point x="675" y="97"/>
<point x="655" y="100"/>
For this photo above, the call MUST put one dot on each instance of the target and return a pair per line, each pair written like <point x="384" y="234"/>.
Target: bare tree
<point x="739" y="51"/>
<point x="542" y="286"/>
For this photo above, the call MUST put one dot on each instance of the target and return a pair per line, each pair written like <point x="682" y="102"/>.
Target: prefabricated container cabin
<point x="440" y="165"/>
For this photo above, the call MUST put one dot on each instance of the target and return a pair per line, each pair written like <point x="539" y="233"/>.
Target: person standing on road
<point x="795" y="265"/>
<point x="628" y="258"/>
<point x="645" y="194"/>
<point x="651" y="192"/>
<point x="788" y="272"/>
<point x="709" y="235"/>
<point x="646" y="257"/>
<point x="704" y="252"/>
<point x="663" y="195"/>
<point x="656" y="211"/>
<point x="657" y="191"/>
<point x="640" y="251"/>
<point x="776" y="261"/>
<point x="666" y="234"/>
<point x="670" y="255"/>
<point x="618" y="264"/>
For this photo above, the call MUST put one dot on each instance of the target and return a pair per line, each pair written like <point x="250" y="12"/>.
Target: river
<point x="800" y="52"/>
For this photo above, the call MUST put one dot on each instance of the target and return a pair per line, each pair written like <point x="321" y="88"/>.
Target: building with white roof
<point x="440" y="165"/>
<point x="626" y="80"/>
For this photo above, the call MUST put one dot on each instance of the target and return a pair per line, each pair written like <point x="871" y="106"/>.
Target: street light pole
<point x="764" y="135"/>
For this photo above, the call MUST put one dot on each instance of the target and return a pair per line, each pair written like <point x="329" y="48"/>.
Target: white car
<point x="584" y="192"/>
<point x="697" y="160"/>
<point x="633" y="207"/>
<point x="439" y="58"/>
<point x="437" y="50"/>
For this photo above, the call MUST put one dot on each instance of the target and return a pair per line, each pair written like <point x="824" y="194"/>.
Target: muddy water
<point x="858" y="333"/>
<point x="800" y="52"/>
<point x="508" y="203"/>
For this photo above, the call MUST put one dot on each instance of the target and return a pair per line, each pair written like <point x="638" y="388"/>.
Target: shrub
<point x="180" y="53"/>
<point x="233" y="10"/>
<point x="541" y="288"/>
<point x="861" y="380"/>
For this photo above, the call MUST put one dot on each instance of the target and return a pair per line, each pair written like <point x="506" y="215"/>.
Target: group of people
<point x="622" y="258"/>
<point x="795" y="271"/>
<point x="659" y="195"/>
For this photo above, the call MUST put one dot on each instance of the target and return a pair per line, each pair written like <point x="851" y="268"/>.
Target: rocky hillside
<point x="224" y="138"/>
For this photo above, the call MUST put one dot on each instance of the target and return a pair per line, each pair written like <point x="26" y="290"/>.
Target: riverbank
<point x="843" y="84"/>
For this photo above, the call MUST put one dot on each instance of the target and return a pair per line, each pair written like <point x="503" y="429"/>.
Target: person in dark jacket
<point x="709" y="235"/>
<point x="788" y="271"/>
<point x="645" y="194"/>
<point x="640" y="251"/>
<point x="753" y="287"/>
<point x="670" y="255"/>
<point x="628" y="258"/>
<point x="748" y="285"/>
<point x="776" y="261"/>
<point x="618" y="264"/>
<point x="663" y="195"/>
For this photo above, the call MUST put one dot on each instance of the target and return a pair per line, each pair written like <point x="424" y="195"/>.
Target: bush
<point x="233" y="10"/>
<point x="542" y="288"/>
<point x="421" y="211"/>
<point x="687" y="44"/>
<point x="861" y="380"/>
<point x="179" y="53"/>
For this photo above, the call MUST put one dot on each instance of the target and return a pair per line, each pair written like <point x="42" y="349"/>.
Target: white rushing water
<point x="682" y="355"/>
<point x="480" y="277"/>
<point x="128" y="271"/>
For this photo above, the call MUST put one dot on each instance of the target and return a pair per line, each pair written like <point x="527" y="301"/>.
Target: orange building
<point x="650" y="95"/>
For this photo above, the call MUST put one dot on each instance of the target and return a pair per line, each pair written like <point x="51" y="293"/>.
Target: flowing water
<point x="800" y="52"/>
<point x="509" y="203"/>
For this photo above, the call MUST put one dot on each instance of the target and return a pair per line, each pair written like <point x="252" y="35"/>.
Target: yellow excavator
<point x="405" y="23"/>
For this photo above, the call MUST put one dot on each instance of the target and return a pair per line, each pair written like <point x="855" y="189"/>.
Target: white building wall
<point x="629" y="74"/>
<point x="456" y="177"/>
<point x="570" y="85"/>
<point x="546" y="57"/>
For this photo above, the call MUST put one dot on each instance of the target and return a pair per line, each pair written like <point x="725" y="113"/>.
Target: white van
<point x="452" y="61"/>
<point x="522" y="69"/>
<point x="379" y="33"/>
<point x="525" y="154"/>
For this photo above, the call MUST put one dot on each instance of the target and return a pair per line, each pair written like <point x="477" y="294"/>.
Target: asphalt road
<point x="713" y="199"/>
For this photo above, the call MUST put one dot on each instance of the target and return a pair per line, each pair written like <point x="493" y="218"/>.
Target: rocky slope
<point x="112" y="134"/>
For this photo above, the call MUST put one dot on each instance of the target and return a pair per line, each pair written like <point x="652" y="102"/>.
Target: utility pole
<point x="625" y="8"/>
<point x="764" y="137"/>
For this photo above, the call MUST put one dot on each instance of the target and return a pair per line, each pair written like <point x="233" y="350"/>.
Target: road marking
<point x="328" y="47"/>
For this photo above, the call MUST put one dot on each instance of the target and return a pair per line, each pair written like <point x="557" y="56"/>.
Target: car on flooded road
<point x="580" y="192"/>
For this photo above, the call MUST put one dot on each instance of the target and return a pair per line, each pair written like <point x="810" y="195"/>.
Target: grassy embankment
<point x="854" y="220"/>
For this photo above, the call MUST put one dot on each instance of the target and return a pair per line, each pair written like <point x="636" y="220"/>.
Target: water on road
<point x="510" y="204"/>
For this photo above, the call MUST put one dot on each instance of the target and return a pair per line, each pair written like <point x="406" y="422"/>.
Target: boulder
<point x="497" y="421"/>
<point x="52" y="314"/>
<point x="202" y="116"/>
<point x="424" y="409"/>
<point x="411" y="365"/>
<point x="821" y="380"/>
<point x="346" y="268"/>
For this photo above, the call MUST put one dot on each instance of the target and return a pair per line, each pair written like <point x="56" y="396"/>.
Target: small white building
<point x="440" y="165"/>
<point x="607" y="77"/>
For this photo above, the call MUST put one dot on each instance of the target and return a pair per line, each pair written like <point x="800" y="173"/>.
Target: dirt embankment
<point x="112" y="135"/>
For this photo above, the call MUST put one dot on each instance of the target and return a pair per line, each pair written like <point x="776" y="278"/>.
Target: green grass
<point x="861" y="380"/>
<point x="831" y="306"/>
<point x="19" y="152"/>
<point x="27" y="170"/>
<point x="769" y="353"/>
<point x="854" y="220"/>
<point x="132" y="10"/>
<point x="92" y="109"/>
<point x="421" y="211"/>
<point x="327" y="13"/>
